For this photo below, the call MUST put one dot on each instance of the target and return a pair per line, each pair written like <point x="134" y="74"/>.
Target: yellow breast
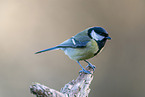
<point x="87" y="52"/>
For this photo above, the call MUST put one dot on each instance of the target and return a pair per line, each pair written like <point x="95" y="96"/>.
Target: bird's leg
<point x="83" y="70"/>
<point x="90" y="65"/>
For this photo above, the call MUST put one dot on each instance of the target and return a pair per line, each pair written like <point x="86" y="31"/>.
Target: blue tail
<point x="53" y="48"/>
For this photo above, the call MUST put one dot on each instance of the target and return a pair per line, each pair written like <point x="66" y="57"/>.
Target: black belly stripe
<point x="101" y="45"/>
<point x="96" y="52"/>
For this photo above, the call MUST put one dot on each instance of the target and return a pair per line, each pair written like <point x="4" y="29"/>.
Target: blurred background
<point x="27" y="26"/>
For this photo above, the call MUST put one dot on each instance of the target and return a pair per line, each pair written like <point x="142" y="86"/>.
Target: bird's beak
<point x="109" y="38"/>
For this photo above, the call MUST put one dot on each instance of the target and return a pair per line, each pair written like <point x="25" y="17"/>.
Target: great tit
<point x="83" y="45"/>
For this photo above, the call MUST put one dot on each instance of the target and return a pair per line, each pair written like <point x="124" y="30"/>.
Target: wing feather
<point x="80" y="40"/>
<point x="73" y="43"/>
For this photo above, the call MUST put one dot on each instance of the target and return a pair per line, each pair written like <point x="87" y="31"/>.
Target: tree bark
<point x="75" y="88"/>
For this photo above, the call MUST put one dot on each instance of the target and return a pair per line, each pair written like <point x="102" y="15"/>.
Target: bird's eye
<point x="103" y="34"/>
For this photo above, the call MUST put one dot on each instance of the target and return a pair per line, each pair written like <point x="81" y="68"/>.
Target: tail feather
<point x="53" y="48"/>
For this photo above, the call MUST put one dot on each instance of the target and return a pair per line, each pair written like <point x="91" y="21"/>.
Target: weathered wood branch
<point x="75" y="88"/>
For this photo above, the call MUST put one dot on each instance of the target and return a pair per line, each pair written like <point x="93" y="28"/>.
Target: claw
<point x="85" y="71"/>
<point x="92" y="66"/>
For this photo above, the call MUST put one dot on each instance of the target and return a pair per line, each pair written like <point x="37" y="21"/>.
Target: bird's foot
<point x="92" y="66"/>
<point x="85" y="71"/>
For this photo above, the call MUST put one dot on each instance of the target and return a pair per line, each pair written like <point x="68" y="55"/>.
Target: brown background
<point x="27" y="26"/>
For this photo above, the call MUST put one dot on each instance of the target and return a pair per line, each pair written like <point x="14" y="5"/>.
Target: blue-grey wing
<point x="73" y="43"/>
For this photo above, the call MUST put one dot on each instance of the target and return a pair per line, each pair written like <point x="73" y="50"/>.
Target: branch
<point x="75" y="88"/>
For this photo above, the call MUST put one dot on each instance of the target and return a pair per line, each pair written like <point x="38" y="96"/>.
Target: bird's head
<point x="98" y="33"/>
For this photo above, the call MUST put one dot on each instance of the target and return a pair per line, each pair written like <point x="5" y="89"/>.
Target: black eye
<point x="101" y="31"/>
<point x="103" y="34"/>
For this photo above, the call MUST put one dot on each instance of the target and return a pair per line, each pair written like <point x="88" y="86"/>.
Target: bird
<point x="84" y="45"/>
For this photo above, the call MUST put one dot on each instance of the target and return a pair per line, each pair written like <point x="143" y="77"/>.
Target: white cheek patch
<point x="96" y="36"/>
